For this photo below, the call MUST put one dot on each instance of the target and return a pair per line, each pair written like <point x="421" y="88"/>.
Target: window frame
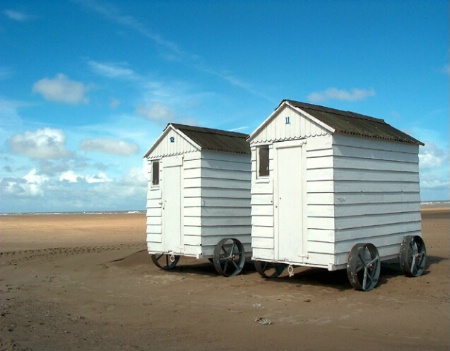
<point x="156" y="167"/>
<point x="261" y="172"/>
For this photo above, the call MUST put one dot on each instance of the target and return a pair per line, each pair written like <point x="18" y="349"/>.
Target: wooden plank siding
<point x="287" y="124"/>
<point x="358" y="189"/>
<point x="320" y="210"/>
<point x="216" y="203"/>
<point x="154" y="215"/>
<point x="165" y="147"/>
<point x="377" y="196"/>
<point x="223" y="214"/>
<point x="262" y="212"/>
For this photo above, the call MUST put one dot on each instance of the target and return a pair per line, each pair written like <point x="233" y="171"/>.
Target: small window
<point x="155" y="173"/>
<point x="263" y="161"/>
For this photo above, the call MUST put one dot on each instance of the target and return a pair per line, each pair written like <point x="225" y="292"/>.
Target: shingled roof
<point x="347" y="122"/>
<point x="215" y="139"/>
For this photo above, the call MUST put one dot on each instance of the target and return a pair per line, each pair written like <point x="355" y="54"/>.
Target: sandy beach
<point x="77" y="281"/>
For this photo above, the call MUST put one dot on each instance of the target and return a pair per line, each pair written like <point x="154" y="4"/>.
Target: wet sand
<point x="86" y="282"/>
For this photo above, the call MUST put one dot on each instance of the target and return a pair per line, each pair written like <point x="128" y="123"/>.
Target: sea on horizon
<point x="424" y="204"/>
<point x="75" y="213"/>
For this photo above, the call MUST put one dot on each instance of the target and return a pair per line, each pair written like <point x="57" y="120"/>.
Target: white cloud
<point x="41" y="144"/>
<point x="434" y="169"/>
<point x="135" y="176"/>
<point x="339" y="94"/>
<point x="112" y="70"/>
<point x="156" y="112"/>
<point x="431" y="181"/>
<point x="30" y="185"/>
<point x="16" y="15"/>
<point x="34" y="183"/>
<point x="69" y="177"/>
<point x="61" y="89"/>
<point x="431" y="156"/>
<point x="109" y="146"/>
<point x="98" y="178"/>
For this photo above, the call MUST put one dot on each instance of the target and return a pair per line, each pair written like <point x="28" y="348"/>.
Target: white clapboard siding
<point x="377" y="194"/>
<point x="262" y="253"/>
<point x="215" y="192"/>
<point x="262" y="206"/>
<point x="319" y="208"/>
<point x="222" y="213"/>
<point x="164" y="147"/>
<point x="277" y="129"/>
<point x="357" y="189"/>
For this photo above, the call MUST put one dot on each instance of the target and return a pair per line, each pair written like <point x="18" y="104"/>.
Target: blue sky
<point x="87" y="86"/>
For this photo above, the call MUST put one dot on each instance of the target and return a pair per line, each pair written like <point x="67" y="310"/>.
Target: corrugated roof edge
<point x="404" y="137"/>
<point x="215" y="139"/>
<point x="207" y="130"/>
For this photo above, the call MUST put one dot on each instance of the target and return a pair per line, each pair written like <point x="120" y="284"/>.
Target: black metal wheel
<point x="229" y="257"/>
<point x="165" y="261"/>
<point x="269" y="269"/>
<point x="413" y="255"/>
<point x="363" y="266"/>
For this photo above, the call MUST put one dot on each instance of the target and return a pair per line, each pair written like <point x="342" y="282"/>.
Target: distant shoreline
<point x="434" y="205"/>
<point x="429" y="205"/>
<point x="74" y="213"/>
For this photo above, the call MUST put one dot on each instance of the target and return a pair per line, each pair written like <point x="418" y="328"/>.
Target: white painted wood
<point x="288" y="205"/>
<point x="172" y="205"/>
<point x="165" y="147"/>
<point x="213" y="194"/>
<point x="276" y="128"/>
<point x="355" y="190"/>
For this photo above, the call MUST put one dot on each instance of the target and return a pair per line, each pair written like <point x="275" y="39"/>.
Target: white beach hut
<point x="198" y="200"/>
<point x="334" y="189"/>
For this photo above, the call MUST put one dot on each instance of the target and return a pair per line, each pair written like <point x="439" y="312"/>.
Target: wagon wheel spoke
<point x="412" y="255"/>
<point x="415" y="254"/>
<point x="269" y="269"/>
<point x="165" y="261"/>
<point x="234" y="264"/>
<point x="232" y="250"/>
<point x="229" y="257"/>
<point x="364" y="283"/>
<point x="363" y="267"/>
<point x="225" y="265"/>
<point x="225" y="251"/>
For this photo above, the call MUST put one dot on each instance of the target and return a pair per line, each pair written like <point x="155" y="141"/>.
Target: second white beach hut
<point x="198" y="199"/>
<point x="334" y="189"/>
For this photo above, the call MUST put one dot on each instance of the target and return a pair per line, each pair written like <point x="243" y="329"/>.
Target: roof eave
<point x="166" y="131"/>
<point x="285" y="103"/>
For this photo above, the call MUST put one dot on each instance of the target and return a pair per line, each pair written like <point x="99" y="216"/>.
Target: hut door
<point x="172" y="204"/>
<point x="289" y="201"/>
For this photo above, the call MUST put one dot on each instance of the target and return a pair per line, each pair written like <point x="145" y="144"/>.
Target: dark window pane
<point x="263" y="152"/>
<point x="155" y="172"/>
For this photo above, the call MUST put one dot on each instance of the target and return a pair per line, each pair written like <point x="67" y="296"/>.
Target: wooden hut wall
<point x="225" y="199"/>
<point x="263" y="230"/>
<point x="215" y="202"/>
<point x="320" y="230"/>
<point x="318" y="204"/>
<point x="154" y="214"/>
<point x="191" y="192"/>
<point x="376" y="190"/>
